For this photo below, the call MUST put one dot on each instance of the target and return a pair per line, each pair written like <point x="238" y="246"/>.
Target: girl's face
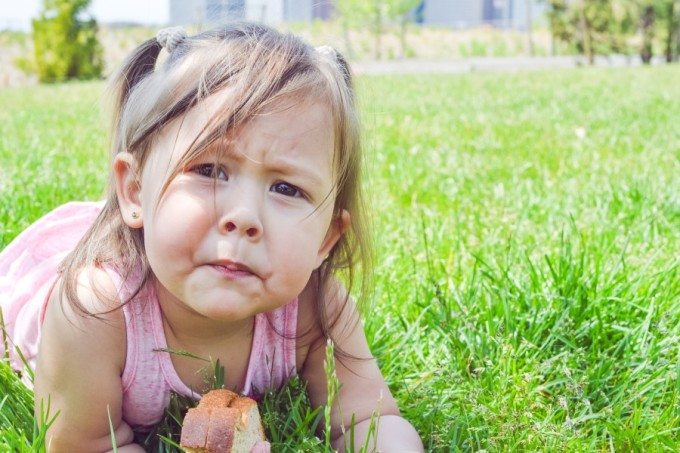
<point x="240" y="230"/>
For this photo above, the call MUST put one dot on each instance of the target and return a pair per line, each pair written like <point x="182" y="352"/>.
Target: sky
<point x="17" y="15"/>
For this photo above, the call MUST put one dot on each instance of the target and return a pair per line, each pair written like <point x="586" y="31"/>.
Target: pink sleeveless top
<point x="28" y="271"/>
<point x="149" y="375"/>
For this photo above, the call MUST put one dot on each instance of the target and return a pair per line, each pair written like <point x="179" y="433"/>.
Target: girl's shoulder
<point x="340" y="312"/>
<point x="94" y="323"/>
<point x="96" y="290"/>
<point x="308" y="328"/>
<point x="81" y="359"/>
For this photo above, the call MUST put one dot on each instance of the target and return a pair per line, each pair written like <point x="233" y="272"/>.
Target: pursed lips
<point x="233" y="269"/>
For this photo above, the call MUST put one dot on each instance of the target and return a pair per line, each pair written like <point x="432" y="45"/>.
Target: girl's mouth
<point x="233" y="270"/>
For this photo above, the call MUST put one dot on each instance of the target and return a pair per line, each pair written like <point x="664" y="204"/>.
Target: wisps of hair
<point x="109" y="239"/>
<point x="263" y="69"/>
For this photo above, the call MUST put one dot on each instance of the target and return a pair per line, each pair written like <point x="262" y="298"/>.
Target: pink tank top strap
<point x="149" y="375"/>
<point x="272" y="356"/>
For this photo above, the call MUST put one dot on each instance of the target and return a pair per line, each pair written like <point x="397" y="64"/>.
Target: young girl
<point x="234" y="197"/>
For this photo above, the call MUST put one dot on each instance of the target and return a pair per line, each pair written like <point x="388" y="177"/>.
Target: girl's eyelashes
<point x="287" y="189"/>
<point x="209" y="170"/>
<point x="215" y="171"/>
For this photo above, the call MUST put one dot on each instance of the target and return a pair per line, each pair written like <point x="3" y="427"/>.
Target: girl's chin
<point x="224" y="314"/>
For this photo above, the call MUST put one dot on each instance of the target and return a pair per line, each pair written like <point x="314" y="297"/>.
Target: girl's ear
<point x="128" y="189"/>
<point x="337" y="228"/>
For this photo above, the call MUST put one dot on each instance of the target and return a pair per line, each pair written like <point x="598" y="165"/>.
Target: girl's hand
<point x="261" y="447"/>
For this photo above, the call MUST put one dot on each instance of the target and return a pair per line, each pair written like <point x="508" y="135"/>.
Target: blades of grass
<point x="332" y="389"/>
<point x="27" y="367"/>
<point x="351" y="431"/>
<point x="169" y="427"/>
<point x="5" y="342"/>
<point x="169" y="442"/>
<point x="181" y="353"/>
<point x="114" y="444"/>
<point x="289" y="420"/>
<point x="41" y="425"/>
<point x="17" y="407"/>
<point x="218" y="375"/>
<point x="371" y="434"/>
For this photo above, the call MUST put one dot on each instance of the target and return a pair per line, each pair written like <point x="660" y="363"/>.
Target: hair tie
<point x="327" y="51"/>
<point x="171" y="37"/>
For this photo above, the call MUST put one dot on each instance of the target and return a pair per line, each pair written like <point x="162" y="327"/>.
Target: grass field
<point x="527" y="290"/>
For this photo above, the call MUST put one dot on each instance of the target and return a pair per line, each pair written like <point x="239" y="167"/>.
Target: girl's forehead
<point x="290" y="123"/>
<point x="296" y="136"/>
<point x="287" y="129"/>
<point x="285" y="120"/>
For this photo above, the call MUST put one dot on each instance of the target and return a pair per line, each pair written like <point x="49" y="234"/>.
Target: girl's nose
<point x="241" y="221"/>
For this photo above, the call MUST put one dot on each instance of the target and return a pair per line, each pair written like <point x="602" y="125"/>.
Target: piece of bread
<point x="223" y="422"/>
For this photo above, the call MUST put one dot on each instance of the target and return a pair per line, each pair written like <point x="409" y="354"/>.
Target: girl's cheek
<point x="177" y="225"/>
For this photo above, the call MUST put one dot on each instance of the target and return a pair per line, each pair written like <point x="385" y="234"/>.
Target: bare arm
<point x="78" y="374"/>
<point x="362" y="392"/>
<point x="394" y="434"/>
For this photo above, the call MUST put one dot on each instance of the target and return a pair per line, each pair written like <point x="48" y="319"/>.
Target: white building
<point x="472" y="13"/>
<point x="445" y="13"/>
<point x="183" y="12"/>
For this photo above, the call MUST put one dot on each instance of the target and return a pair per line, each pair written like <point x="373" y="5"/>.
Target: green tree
<point x="401" y="11"/>
<point x="596" y="27"/>
<point x="377" y="10"/>
<point x="352" y="13"/>
<point x="593" y="27"/>
<point x="376" y="15"/>
<point x="623" y="26"/>
<point x="668" y="19"/>
<point x="647" y="23"/>
<point x="66" y="47"/>
<point x="559" y="19"/>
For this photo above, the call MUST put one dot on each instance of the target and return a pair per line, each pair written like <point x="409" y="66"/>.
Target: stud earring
<point x="134" y="215"/>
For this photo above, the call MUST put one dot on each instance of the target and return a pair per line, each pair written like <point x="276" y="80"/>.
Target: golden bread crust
<point x="223" y="422"/>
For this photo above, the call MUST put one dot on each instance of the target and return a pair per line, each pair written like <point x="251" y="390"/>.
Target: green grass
<point x="527" y="294"/>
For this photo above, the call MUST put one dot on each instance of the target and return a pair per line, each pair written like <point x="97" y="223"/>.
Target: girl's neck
<point x="191" y="330"/>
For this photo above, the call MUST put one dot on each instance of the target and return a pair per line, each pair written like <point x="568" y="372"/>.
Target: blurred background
<point x="527" y="282"/>
<point x="377" y="35"/>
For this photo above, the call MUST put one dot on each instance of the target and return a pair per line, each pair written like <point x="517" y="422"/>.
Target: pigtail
<point x="136" y="67"/>
<point x="108" y="239"/>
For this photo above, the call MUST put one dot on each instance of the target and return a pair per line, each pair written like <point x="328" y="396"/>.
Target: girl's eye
<point x="210" y="171"/>
<point x="286" y="189"/>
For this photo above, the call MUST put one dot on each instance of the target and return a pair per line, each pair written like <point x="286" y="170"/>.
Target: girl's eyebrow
<point x="280" y="165"/>
<point x="228" y="149"/>
<point x="292" y="167"/>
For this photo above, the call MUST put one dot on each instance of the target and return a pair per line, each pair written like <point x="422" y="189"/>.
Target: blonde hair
<point x="262" y="67"/>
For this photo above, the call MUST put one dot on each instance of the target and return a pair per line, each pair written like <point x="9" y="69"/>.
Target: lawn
<point x="527" y="285"/>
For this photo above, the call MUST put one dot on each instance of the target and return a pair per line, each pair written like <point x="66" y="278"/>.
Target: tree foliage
<point x="66" y="45"/>
<point x="667" y="13"/>
<point x="376" y="15"/>
<point x="602" y="27"/>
